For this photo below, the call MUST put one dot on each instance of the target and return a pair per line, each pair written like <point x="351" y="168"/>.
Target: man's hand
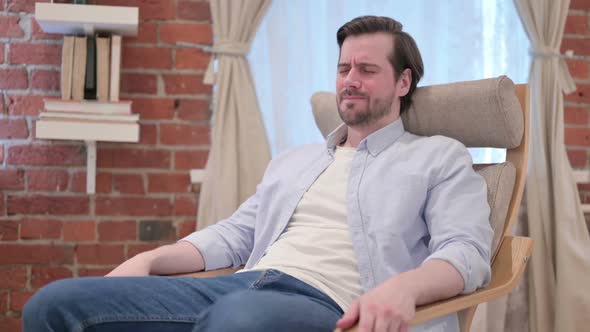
<point x="388" y="307"/>
<point x="137" y="266"/>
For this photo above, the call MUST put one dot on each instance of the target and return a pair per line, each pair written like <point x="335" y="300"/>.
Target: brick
<point x="46" y="80"/>
<point x="2" y="211"/>
<point x="102" y="182"/>
<point x="169" y="183"/>
<point x="12" y="179"/>
<point x="13" y="79"/>
<point x="578" y="158"/>
<point x="42" y="275"/>
<point x="8" y="229"/>
<point x="172" y="33"/>
<point x="35" y="54"/>
<point x="157" y="10"/>
<point x="134" y="249"/>
<point x="100" y="254"/>
<point x="193" y="134"/>
<point x="38" y="33"/>
<point x="10" y="28"/>
<point x="179" y="84"/>
<point x="36" y="253"/>
<point x="128" y="184"/>
<point x="186" y="227"/>
<point x="40" y="229"/>
<point x="139" y="83"/>
<point x="185" y="205"/>
<point x="78" y="231"/>
<point x="153" y="108"/>
<point x="133" y="158"/>
<point x="13" y="277"/>
<point x="1" y="154"/>
<point x="1" y="53"/>
<point x="578" y="68"/>
<point x="47" y="155"/>
<point x="581" y="95"/>
<point x="3" y="295"/>
<point x="579" y="46"/>
<point x="147" y="57"/>
<point x="93" y="272"/>
<point x="27" y="6"/>
<point x="190" y="159"/>
<point x="194" y="11"/>
<point x="55" y="205"/>
<point x="580" y="4"/>
<point x="148" y="134"/>
<point x="13" y="128"/>
<point x="133" y="206"/>
<point x="156" y="230"/>
<point x="576" y="24"/>
<point x="10" y="324"/>
<point x="117" y="231"/>
<point x="26" y="105"/>
<point x="47" y="180"/>
<point x="147" y="33"/>
<point x="192" y="59"/>
<point x="577" y="136"/>
<point x="18" y="300"/>
<point x="193" y="109"/>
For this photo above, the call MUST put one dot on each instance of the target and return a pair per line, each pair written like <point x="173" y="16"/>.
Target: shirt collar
<point x="375" y="142"/>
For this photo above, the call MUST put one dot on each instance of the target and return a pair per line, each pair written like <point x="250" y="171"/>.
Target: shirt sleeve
<point x="457" y="215"/>
<point x="229" y="242"/>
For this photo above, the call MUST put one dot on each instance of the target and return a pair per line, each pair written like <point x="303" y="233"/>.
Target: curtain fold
<point x="239" y="147"/>
<point x="559" y="292"/>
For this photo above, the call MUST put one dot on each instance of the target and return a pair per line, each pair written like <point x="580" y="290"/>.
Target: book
<point x="122" y="107"/>
<point x="102" y="68"/>
<point x="90" y="83"/>
<point x="79" y="74"/>
<point x="67" y="67"/>
<point x="115" y="67"/>
<point x="87" y="130"/>
<point x="133" y="118"/>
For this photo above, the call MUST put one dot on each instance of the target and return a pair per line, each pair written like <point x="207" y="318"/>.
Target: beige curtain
<point x="559" y="291"/>
<point x="239" y="148"/>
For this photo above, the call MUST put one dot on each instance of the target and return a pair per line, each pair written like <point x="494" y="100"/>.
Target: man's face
<point x="366" y="87"/>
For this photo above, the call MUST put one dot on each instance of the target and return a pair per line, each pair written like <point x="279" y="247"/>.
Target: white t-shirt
<point x="316" y="247"/>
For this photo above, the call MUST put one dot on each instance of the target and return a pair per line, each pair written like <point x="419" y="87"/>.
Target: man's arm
<point x="457" y="216"/>
<point x="181" y="257"/>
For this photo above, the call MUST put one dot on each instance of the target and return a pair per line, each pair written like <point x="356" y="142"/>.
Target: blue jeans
<point x="249" y="301"/>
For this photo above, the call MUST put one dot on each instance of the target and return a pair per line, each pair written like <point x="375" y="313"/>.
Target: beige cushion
<point x="500" y="179"/>
<point x="483" y="113"/>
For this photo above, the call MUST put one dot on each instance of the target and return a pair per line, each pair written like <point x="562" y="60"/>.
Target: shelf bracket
<point x="90" y="167"/>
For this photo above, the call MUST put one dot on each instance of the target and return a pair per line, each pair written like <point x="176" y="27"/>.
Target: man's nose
<point x="352" y="80"/>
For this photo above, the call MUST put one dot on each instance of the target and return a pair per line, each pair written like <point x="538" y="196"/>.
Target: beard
<point x="377" y="109"/>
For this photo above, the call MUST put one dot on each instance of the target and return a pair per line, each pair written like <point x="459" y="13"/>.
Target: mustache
<point x="351" y="93"/>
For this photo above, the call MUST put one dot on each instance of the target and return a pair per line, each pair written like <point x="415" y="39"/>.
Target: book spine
<point x="79" y="73"/>
<point x="115" y="67"/>
<point x="67" y="66"/>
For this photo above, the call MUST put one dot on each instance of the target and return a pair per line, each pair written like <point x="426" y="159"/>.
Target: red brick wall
<point x="577" y="104"/>
<point x="49" y="227"/>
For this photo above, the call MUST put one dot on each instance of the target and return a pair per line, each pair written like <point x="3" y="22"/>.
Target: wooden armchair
<point x="484" y="113"/>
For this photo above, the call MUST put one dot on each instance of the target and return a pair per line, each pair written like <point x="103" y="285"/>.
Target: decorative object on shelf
<point x="89" y="108"/>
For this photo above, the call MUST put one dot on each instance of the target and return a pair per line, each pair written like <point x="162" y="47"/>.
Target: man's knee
<point x="45" y="308"/>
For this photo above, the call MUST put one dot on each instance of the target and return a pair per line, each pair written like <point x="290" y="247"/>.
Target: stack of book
<point x="89" y="107"/>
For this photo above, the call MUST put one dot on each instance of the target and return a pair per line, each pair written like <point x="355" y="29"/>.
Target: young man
<point x="361" y="229"/>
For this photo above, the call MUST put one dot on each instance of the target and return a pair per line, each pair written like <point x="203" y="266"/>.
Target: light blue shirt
<point x="410" y="199"/>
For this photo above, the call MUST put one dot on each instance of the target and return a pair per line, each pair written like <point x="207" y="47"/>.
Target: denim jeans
<point x="249" y="301"/>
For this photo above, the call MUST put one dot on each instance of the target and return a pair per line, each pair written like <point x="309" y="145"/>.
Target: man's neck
<point x="356" y="134"/>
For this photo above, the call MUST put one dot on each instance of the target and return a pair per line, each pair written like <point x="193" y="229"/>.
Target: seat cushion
<point x="500" y="179"/>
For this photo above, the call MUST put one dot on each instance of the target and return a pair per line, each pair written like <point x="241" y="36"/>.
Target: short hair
<point x="405" y="53"/>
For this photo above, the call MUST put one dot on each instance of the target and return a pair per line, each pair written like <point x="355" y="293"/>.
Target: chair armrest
<point x="209" y="274"/>
<point x="507" y="270"/>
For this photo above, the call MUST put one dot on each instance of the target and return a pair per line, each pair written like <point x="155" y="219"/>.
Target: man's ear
<point x="404" y="82"/>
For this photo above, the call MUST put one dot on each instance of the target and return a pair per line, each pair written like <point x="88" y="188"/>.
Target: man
<point x="359" y="230"/>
